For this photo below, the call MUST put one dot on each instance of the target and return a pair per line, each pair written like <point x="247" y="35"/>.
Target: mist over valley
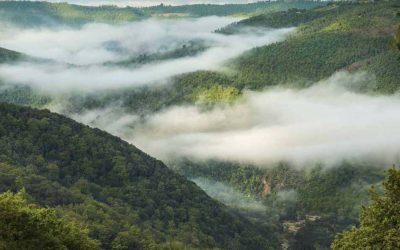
<point x="268" y="123"/>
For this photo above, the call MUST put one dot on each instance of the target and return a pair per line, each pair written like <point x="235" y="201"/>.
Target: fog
<point x="229" y="196"/>
<point x="327" y="122"/>
<point x="146" y="3"/>
<point x="78" y="55"/>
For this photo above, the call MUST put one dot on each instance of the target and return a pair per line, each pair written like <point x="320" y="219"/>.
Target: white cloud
<point x="85" y="46"/>
<point x="326" y="122"/>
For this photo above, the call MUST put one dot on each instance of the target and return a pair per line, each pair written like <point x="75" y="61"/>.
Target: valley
<point x="268" y="121"/>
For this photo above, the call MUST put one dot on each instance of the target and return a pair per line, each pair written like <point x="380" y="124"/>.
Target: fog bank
<point x="89" y="47"/>
<point x="325" y="123"/>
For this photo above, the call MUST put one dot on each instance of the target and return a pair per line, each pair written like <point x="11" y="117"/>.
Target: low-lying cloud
<point x="325" y="123"/>
<point x="229" y="196"/>
<point x="94" y="44"/>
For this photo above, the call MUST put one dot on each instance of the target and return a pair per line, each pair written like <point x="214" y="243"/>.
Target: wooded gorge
<point x="202" y="126"/>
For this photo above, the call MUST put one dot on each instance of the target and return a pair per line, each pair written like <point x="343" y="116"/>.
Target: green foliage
<point x="385" y="67"/>
<point x="280" y="19"/>
<point x="216" y="94"/>
<point x="112" y="186"/>
<point x="22" y="95"/>
<point x="142" y="100"/>
<point x="342" y="16"/>
<point x="334" y="194"/>
<point x="191" y="48"/>
<point x="305" y="59"/>
<point x="379" y="221"/>
<point x="395" y="41"/>
<point x="25" y="13"/>
<point x="340" y="36"/>
<point x="231" y="9"/>
<point x="132" y="239"/>
<point x="24" y="225"/>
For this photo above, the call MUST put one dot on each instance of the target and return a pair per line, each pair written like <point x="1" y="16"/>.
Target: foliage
<point x="379" y="221"/>
<point x="112" y="186"/>
<point x="191" y="48"/>
<point x="395" y="41"/>
<point x="24" y="225"/>
<point x="280" y="19"/>
<point x="323" y="47"/>
<point x="216" y="94"/>
<point x="230" y="9"/>
<point x="25" y="13"/>
<point x="334" y="194"/>
<point x="50" y="14"/>
<point x="319" y="49"/>
<point x="305" y="59"/>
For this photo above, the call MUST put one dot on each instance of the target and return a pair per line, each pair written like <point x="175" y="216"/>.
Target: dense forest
<point x="112" y="187"/>
<point x="289" y="194"/>
<point x="27" y="13"/>
<point x="232" y="9"/>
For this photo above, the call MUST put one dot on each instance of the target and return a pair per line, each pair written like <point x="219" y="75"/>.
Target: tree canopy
<point x="379" y="221"/>
<point x="24" y="225"/>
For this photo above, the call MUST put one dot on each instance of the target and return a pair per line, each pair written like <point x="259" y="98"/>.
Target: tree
<point x="395" y="41"/>
<point x="24" y="225"/>
<point x="379" y="221"/>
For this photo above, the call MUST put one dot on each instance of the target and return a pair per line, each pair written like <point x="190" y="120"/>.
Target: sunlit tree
<point x="24" y="225"/>
<point x="379" y="221"/>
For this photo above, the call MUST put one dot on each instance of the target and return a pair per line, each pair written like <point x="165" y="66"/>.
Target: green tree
<point x="133" y="239"/>
<point x="27" y="226"/>
<point x="395" y="41"/>
<point x="379" y="221"/>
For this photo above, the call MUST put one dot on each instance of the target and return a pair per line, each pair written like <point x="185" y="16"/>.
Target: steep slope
<point x="307" y="206"/>
<point x="332" y="38"/>
<point x="112" y="185"/>
<point x="336" y="37"/>
<point x="9" y="55"/>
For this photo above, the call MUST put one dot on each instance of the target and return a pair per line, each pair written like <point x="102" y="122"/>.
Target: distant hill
<point x="112" y="186"/>
<point x="26" y="13"/>
<point x="30" y="14"/>
<point x="230" y="9"/>
<point x="339" y="36"/>
<point x="9" y="55"/>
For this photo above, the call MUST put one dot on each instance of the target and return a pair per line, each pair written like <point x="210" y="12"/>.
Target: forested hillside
<point x="28" y="14"/>
<point x="345" y="36"/>
<point x="25" y="13"/>
<point x="9" y="55"/>
<point x="341" y="36"/>
<point x="231" y="9"/>
<point x="333" y="196"/>
<point x="112" y="187"/>
<point x="126" y="197"/>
